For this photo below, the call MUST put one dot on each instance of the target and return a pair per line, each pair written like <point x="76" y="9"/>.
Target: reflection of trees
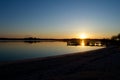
<point x="73" y="42"/>
<point x="31" y="41"/>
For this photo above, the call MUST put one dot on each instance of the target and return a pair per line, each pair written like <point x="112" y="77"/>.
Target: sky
<point x="59" y="18"/>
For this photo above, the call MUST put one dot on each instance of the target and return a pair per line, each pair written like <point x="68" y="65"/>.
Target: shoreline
<point x="97" y="64"/>
<point x="49" y="57"/>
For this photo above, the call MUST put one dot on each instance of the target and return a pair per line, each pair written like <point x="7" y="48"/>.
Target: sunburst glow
<point x="83" y="36"/>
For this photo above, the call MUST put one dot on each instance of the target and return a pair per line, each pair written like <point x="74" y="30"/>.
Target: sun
<point x="83" y="36"/>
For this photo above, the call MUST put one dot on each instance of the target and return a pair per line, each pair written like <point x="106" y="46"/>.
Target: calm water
<point x="10" y="51"/>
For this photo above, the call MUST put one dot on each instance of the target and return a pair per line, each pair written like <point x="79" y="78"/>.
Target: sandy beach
<point x="102" y="64"/>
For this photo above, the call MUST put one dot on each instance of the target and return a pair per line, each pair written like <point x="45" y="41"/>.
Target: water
<point x="10" y="51"/>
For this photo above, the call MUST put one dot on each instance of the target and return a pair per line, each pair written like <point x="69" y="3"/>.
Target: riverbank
<point x="102" y="64"/>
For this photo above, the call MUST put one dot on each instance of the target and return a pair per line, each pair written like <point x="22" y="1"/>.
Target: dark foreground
<point x="100" y="64"/>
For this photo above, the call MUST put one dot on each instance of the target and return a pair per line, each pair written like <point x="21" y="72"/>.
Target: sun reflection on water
<point x="82" y="43"/>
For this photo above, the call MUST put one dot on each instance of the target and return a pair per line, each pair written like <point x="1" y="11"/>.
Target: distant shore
<point x="102" y="64"/>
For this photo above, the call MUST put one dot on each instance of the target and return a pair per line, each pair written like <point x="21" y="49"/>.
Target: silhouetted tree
<point x="114" y="38"/>
<point x="118" y="36"/>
